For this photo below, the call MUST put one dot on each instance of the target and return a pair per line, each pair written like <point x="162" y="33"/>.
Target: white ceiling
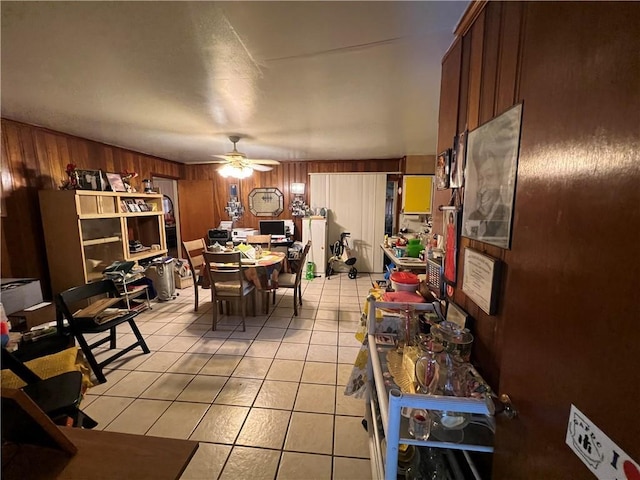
<point x="297" y="80"/>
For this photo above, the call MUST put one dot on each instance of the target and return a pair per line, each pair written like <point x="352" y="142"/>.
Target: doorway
<point x="390" y="207"/>
<point x="168" y="187"/>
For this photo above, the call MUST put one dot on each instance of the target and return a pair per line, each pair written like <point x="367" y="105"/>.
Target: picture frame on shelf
<point x="123" y="206"/>
<point x="443" y="163"/>
<point x="91" y="180"/>
<point x="115" y="182"/>
<point x="490" y="179"/>
<point x="132" y="206"/>
<point x="142" y="205"/>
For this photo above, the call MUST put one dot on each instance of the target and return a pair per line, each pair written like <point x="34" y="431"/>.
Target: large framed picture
<point x="490" y="179"/>
<point x="442" y="169"/>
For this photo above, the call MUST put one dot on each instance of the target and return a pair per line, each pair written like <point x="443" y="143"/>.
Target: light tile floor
<point x="267" y="403"/>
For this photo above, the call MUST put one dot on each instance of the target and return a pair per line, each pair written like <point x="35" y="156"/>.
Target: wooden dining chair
<point x="194" y="249"/>
<point x="263" y="240"/>
<point x="228" y="283"/>
<point x="294" y="280"/>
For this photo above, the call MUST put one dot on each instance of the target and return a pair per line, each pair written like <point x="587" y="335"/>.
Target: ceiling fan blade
<point x="260" y="168"/>
<point x="263" y="161"/>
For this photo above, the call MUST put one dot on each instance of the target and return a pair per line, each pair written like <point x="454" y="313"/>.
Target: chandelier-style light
<point x="235" y="171"/>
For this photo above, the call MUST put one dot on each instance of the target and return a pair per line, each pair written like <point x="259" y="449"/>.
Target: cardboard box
<point x="24" y="320"/>
<point x="182" y="282"/>
<point x="19" y="293"/>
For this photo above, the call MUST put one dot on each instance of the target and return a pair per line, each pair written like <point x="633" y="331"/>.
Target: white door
<point x="356" y="204"/>
<point x="315" y="230"/>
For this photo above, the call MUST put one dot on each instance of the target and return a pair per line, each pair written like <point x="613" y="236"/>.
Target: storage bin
<point x="404" y="282"/>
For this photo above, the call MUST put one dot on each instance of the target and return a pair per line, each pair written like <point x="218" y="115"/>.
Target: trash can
<point x="160" y="271"/>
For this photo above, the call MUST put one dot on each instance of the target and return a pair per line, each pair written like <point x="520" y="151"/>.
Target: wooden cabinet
<point x="85" y="231"/>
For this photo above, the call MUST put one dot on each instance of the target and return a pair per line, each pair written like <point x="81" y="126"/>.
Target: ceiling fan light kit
<point x="235" y="171"/>
<point x="237" y="165"/>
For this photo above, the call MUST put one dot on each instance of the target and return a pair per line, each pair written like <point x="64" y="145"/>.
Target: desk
<point x="101" y="456"/>
<point x="406" y="263"/>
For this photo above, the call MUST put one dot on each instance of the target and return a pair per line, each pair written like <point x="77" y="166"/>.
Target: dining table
<point x="262" y="272"/>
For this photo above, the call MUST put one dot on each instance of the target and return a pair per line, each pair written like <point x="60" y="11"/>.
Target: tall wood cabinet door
<point x="195" y="200"/>
<point x="570" y="306"/>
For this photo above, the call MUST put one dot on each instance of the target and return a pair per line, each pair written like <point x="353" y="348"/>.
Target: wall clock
<point x="266" y="202"/>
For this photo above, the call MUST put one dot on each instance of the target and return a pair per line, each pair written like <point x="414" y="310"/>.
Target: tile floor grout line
<point x="342" y="327"/>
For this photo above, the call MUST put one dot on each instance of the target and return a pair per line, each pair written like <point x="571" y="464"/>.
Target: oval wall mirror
<point x="266" y="202"/>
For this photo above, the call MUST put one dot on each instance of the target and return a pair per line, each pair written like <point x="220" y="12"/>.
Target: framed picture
<point x="490" y="179"/>
<point x="457" y="315"/>
<point x="115" y="182"/>
<point x="458" y="160"/>
<point x="142" y="205"/>
<point x="91" y="180"/>
<point x="132" y="206"/>
<point x="481" y="279"/>
<point x="450" y="219"/>
<point x="443" y="162"/>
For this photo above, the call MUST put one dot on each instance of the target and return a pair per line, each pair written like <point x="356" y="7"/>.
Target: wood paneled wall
<point x="281" y="177"/>
<point x="35" y="158"/>
<point x="479" y="82"/>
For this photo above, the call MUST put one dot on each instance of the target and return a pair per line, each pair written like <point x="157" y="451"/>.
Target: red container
<point x="404" y="281"/>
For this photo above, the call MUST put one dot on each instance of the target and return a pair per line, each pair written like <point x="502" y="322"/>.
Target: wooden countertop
<point x="101" y="456"/>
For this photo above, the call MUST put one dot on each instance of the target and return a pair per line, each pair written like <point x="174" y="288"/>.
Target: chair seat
<point x="89" y="326"/>
<point x="287" y="279"/>
<point x="56" y="393"/>
<point x="231" y="288"/>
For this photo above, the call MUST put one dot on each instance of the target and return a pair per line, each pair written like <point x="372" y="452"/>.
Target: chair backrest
<point x="194" y="249"/>
<point x="303" y="259"/>
<point x="263" y="240"/>
<point x="225" y="273"/>
<point x="68" y="301"/>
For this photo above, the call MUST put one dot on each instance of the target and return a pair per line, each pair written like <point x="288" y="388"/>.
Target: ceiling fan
<point x="236" y="164"/>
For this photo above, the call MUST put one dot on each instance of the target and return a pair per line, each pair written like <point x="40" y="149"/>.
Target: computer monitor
<point x="272" y="227"/>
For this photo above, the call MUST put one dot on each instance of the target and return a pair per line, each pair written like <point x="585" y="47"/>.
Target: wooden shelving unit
<point x="85" y="231"/>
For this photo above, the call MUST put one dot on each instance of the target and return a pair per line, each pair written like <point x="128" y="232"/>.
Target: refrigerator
<point x="315" y="229"/>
